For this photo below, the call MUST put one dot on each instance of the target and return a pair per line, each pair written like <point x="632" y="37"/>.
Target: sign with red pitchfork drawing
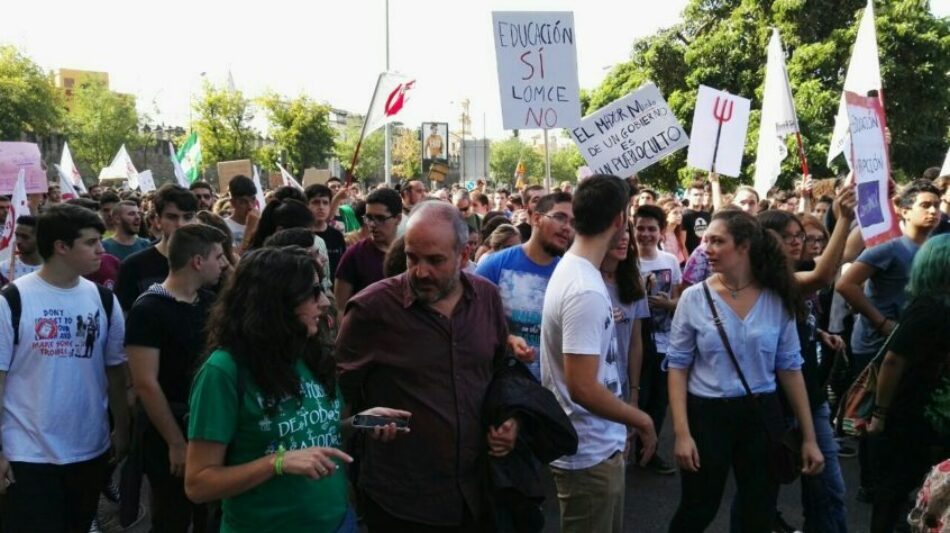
<point x="717" y="140"/>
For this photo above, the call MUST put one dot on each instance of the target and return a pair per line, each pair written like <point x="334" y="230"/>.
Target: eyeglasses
<point x="562" y="219"/>
<point x="376" y="219"/>
<point x="790" y="239"/>
<point x="815" y="240"/>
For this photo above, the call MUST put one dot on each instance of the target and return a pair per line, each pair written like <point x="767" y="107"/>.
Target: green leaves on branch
<point x="28" y="101"/>
<point x="223" y="121"/>
<point x="100" y="122"/>
<point x="301" y="131"/>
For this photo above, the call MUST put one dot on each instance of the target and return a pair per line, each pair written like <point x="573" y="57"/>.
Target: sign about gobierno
<point x="537" y="69"/>
<point x="630" y="134"/>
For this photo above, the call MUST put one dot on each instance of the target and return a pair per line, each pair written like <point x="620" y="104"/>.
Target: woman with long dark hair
<point x="718" y="427"/>
<point x="278" y="215"/>
<point x="265" y="410"/>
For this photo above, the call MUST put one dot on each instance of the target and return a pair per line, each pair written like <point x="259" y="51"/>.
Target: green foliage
<point x="100" y="122"/>
<point x="301" y="131"/>
<point x="224" y="126"/>
<point x="564" y="164"/>
<point x="371" y="164"/>
<point x="407" y="153"/>
<point x="504" y="161"/>
<point x="722" y="44"/>
<point x="28" y="101"/>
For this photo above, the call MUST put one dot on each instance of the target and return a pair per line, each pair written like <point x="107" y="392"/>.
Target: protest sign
<point x="872" y="169"/>
<point x="146" y="182"/>
<point x="17" y="155"/>
<point x="537" y="69"/>
<point x="629" y="134"/>
<point x="319" y="176"/>
<point x="228" y="169"/>
<point x="720" y="123"/>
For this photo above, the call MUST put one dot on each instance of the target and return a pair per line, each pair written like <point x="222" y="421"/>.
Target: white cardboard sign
<point x="146" y="182"/>
<point x="629" y="134"/>
<point x="723" y="115"/>
<point x="537" y="69"/>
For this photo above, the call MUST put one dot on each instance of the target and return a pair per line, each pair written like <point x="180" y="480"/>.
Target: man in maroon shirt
<point x="362" y="263"/>
<point x="425" y="341"/>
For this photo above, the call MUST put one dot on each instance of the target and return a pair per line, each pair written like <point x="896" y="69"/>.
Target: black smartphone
<point x="372" y="421"/>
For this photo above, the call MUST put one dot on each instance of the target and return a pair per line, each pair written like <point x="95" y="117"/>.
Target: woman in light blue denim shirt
<point x="717" y="427"/>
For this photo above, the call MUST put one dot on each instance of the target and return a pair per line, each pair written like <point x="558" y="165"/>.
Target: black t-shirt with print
<point x="695" y="224"/>
<point x="336" y="246"/>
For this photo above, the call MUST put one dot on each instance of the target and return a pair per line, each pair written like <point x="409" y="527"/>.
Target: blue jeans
<point x="823" y="496"/>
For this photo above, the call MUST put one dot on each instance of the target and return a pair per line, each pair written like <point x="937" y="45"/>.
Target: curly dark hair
<point x="254" y="319"/>
<point x="770" y="268"/>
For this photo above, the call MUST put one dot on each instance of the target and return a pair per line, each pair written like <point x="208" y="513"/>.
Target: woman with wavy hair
<point x="265" y="410"/>
<point x="717" y="427"/>
<point x="674" y="236"/>
<point x="912" y="406"/>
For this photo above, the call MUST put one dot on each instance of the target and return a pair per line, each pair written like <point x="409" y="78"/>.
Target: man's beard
<point x="552" y="250"/>
<point x="443" y="290"/>
<point x="129" y="228"/>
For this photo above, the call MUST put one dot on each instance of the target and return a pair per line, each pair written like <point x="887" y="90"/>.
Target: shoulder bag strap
<point x="725" y="339"/>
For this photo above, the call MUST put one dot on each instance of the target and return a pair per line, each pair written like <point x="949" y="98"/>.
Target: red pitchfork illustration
<point x="722" y="114"/>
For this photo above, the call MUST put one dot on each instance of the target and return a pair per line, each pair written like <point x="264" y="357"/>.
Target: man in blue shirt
<point x="522" y="272"/>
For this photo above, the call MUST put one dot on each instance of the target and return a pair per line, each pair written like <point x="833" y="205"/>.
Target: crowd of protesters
<point x="402" y="359"/>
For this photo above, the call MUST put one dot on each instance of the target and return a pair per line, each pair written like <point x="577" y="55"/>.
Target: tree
<point x="301" y="131"/>
<point x="100" y="122"/>
<point x="371" y="163"/>
<point x="721" y="43"/>
<point x="28" y="101"/>
<point x="504" y="161"/>
<point x="565" y="162"/>
<point x="407" y="153"/>
<point x="224" y="125"/>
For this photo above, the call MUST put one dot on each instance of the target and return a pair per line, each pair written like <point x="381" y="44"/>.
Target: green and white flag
<point x="189" y="155"/>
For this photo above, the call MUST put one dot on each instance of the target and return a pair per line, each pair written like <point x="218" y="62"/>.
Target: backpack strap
<point x="12" y="295"/>
<point x="108" y="302"/>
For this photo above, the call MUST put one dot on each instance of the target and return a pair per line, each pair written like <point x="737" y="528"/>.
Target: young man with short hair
<point x="530" y="196"/>
<point x="580" y="365"/>
<point x="128" y="223"/>
<point x="28" y="259"/>
<point x="500" y="199"/>
<point x="62" y="370"/>
<point x="205" y="195"/>
<point x="411" y="193"/>
<point x="107" y="203"/>
<point x="243" y="194"/>
<point x="164" y="338"/>
<point x="175" y="207"/>
<point x="318" y="200"/>
<point x="481" y="204"/>
<point x="95" y="191"/>
<point x="522" y="272"/>
<point x="661" y="276"/>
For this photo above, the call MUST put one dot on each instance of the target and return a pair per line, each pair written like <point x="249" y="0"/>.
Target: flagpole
<point x="359" y="143"/>
<point x="388" y="166"/>
<point x="547" y="164"/>
<point x="801" y="154"/>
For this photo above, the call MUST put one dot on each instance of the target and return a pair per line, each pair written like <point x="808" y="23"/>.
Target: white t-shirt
<point x="20" y="269"/>
<point x="237" y="230"/>
<point x="661" y="274"/>
<point x="55" y="407"/>
<point x="578" y="319"/>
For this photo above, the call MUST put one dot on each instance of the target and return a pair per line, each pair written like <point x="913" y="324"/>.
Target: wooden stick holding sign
<point x="722" y="115"/>
<point x="720" y="124"/>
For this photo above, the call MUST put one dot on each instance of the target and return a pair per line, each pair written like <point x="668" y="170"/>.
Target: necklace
<point x="733" y="292"/>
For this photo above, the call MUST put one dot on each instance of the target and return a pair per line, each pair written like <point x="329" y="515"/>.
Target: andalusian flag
<point x="189" y="155"/>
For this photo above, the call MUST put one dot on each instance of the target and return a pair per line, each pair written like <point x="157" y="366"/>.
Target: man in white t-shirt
<point x="579" y="365"/>
<point x="243" y="196"/>
<point x="661" y="279"/>
<point x="61" y="372"/>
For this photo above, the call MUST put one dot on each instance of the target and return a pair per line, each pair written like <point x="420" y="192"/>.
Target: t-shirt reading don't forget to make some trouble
<point x="578" y="319"/>
<point x="256" y="429"/>
<point x="55" y="408"/>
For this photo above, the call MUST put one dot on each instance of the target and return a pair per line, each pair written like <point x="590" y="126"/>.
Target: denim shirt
<point x="765" y="342"/>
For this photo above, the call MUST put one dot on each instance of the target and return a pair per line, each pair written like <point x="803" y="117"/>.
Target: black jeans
<point x="653" y="396"/>
<point x="172" y="511"/>
<point x="729" y="434"/>
<point x="377" y="519"/>
<point x="54" y="498"/>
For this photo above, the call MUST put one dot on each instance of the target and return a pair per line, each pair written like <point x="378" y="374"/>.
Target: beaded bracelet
<point x="279" y="462"/>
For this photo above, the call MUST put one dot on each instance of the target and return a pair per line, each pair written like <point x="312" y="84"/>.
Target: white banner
<point x="629" y="134"/>
<point x="778" y="119"/>
<point x="537" y="69"/>
<point x="146" y="182"/>
<point x="720" y="123"/>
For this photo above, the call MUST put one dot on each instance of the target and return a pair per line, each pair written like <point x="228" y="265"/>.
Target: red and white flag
<point x="66" y="188"/>
<point x="389" y="100"/>
<point x="18" y="208"/>
<point x="66" y="163"/>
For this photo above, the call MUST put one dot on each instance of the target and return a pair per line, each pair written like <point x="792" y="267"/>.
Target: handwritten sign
<point x="629" y="134"/>
<point x="17" y="155"/>
<point x="720" y="123"/>
<point x="228" y="169"/>
<point x="146" y="181"/>
<point x="872" y="169"/>
<point x="537" y="69"/>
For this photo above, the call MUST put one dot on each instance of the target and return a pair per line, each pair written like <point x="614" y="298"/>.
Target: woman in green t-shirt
<point x="265" y="411"/>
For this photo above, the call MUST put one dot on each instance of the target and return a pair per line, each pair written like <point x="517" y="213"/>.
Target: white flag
<point x="179" y="172"/>
<point x="256" y="178"/>
<point x="389" y="100"/>
<point x="864" y="74"/>
<point x="66" y="162"/>
<point x="122" y="167"/>
<point x="146" y="182"/>
<point x="778" y="118"/>
<point x="18" y="207"/>
<point x="66" y="188"/>
<point x="289" y="178"/>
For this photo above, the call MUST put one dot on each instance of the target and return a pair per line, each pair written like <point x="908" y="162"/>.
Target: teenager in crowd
<point x="243" y="197"/>
<point x="318" y="200"/>
<point x="674" y="236"/>
<point x="27" y="259"/>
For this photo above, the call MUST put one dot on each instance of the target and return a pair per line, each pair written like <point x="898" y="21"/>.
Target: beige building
<point x="68" y="80"/>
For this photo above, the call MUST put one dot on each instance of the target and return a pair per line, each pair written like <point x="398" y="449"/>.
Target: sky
<point x="331" y="50"/>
